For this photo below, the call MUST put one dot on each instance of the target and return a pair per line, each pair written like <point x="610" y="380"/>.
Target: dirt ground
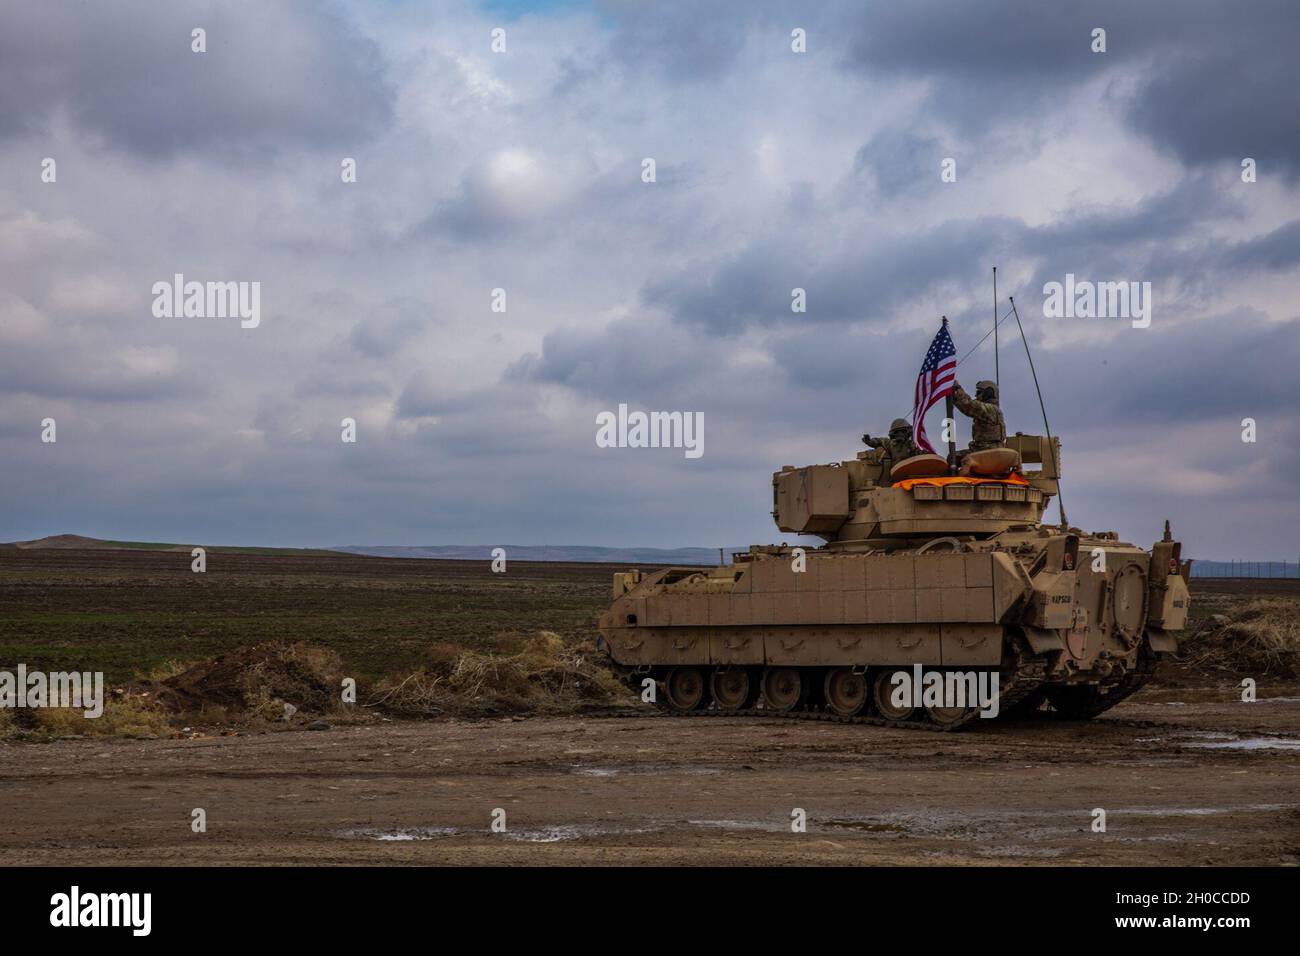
<point x="1185" y="775"/>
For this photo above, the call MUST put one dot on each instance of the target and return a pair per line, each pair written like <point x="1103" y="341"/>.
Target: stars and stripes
<point x="934" y="383"/>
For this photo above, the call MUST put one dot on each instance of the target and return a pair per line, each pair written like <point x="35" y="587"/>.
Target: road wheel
<point x="882" y="692"/>
<point x="684" y="689"/>
<point x="846" y="692"/>
<point x="733" y="688"/>
<point x="947" y="716"/>
<point x="783" y="688"/>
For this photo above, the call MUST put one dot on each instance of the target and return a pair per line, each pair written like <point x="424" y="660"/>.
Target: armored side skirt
<point x="809" y="646"/>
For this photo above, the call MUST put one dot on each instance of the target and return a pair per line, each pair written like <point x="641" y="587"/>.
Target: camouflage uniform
<point x="897" y="446"/>
<point x="988" y="427"/>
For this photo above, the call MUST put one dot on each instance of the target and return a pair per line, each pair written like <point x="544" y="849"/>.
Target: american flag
<point x="934" y="382"/>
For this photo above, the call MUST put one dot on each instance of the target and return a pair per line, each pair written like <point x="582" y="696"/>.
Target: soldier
<point x="898" y="445"/>
<point x="988" y="427"/>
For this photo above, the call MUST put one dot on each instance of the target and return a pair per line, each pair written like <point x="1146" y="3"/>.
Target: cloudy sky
<point x="522" y="171"/>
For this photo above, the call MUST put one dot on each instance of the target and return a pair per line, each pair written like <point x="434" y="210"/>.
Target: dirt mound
<point x="545" y="676"/>
<point x="256" y="681"/>
<point x="1258" y="638"/>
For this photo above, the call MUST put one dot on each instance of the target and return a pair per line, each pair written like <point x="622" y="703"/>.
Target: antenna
<point x="1060" y="501"/>
<point x="997" y="372"/>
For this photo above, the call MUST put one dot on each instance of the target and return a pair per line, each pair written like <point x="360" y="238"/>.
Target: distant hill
<point x="522" y="552"/>
<point x="64" y="541"/>
<point x="68" y="542"/>
<point x="468" y="552"/>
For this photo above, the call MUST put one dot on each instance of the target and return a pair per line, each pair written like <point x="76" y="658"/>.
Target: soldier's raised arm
<point x="963" y="401"/>
<point x="970" y="407"/>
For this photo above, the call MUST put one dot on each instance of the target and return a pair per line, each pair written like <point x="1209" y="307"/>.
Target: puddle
<point x="1217" y="740"/>
<point x="568" y="831"/>
<point x="1249" y="743"/>
<point x="658" y="770"/>
<point x="1203" y="811"/>
<point x="554" y="834"/>
<point x="386" y="836"/>
<point x="545" y="834"/>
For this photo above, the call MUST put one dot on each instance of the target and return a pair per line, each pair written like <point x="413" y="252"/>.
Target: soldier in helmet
<point x="988" y="427"/>
<point x="897" y="446"/>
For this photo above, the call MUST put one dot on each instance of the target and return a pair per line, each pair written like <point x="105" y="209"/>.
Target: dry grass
<point x="251" y="686"/>
<point x="160" y="672"/>
<point x="1260" y="637"/>
<point x="546" y="675"/>
<point x="125" y="715"/>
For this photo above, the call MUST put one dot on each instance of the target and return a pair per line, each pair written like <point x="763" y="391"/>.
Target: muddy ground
<point x="1186" y="776"/>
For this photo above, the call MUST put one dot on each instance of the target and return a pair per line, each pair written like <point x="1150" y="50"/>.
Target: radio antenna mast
<point x="997" y="372"/>
<point x="1056" y="464"/>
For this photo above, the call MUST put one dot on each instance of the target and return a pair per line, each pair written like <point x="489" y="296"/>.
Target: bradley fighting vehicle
<point x="947" y="571"/>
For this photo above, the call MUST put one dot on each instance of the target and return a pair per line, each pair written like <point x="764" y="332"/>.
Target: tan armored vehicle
<point x="951" y="573"/>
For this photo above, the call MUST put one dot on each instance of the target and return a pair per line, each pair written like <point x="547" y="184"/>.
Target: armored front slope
<point x="950" y="574"/>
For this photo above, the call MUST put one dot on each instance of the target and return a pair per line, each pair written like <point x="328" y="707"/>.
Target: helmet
<point x="900" y="424"/>
<point x="991" y="388"/>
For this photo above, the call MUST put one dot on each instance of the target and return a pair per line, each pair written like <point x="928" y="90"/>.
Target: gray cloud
<point x="1209" y="80"/>
<point x="391" y="327"/>
<point x="775" y="170"/>
<point x="848" y="284"/>
<point x="901" y="161"/>
<point x="1277" y="250"/>
<point x="1233" y="95"/>
<point x="274" y="75"/>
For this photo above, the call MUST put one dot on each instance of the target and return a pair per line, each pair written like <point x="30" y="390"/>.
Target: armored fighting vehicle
<point x="950" y="573"/>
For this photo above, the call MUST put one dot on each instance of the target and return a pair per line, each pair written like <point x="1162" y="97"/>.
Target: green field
<point x="125" y="612"/>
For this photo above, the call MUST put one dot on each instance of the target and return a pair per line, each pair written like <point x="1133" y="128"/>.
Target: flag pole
<point x="951" y="422"/>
